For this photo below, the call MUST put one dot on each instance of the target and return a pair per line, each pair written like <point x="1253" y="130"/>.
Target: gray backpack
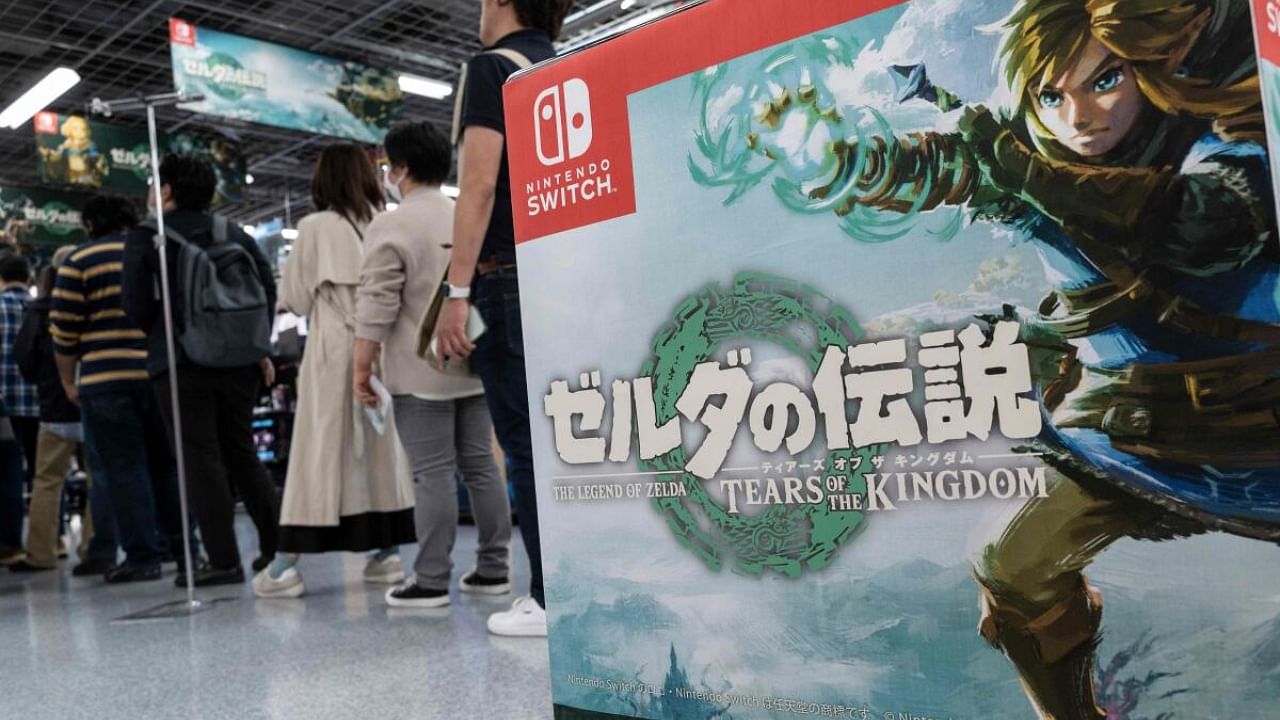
<point x="225" y="320"/>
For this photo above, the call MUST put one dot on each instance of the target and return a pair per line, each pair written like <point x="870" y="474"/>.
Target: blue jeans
<point x="499" y="361"/>
<point x="128" y="453"/>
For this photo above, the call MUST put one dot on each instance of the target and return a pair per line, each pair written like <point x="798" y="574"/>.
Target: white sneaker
<point x="288" y="585"/>
<point x="384" y="572"/>
<point x="525" y="619"/>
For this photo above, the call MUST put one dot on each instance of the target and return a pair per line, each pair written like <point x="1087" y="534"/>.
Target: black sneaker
<point x="474" y="582"/>
<point x="127" y="573"/>
<point x="92" y="568"/>
<point x="412" y="595"/>
<point x="207" y="575"/>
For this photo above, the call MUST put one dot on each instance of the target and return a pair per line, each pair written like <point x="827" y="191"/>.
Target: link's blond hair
<point x="1043" y="37"/>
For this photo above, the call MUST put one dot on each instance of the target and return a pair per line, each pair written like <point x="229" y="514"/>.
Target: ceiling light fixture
<point x="628" y="4"/>
<point x="50" y="88"/>
<point x="289" y="234"/>
<point x="249" y="229"/>
<point x="415" y="85"/>
<point x="248" y="178"/>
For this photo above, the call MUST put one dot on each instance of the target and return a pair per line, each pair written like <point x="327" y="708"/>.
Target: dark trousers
<point x="27" y="431"/>
<point x="11" y="509"/>
<point x="499" y="361"/>
<point x="130" y="460"/>
<point x="217" y="442"/>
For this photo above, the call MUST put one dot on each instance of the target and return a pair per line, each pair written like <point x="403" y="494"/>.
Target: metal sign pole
<point x="108" y="108"/>
<point x="162" y="248"/>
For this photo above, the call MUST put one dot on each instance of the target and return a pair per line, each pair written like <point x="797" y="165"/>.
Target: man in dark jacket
<point x="59" y="442"/>
<point x="216" y="403"/>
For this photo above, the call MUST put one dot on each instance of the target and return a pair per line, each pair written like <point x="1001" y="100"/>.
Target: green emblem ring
<point x="787" y="539"/>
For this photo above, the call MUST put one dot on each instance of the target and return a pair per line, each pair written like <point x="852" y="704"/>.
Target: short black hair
<point x="191" y="181"/>
<point x="14" y="268"/>
<point x="106" y="214"/>
<point x="545" y="15"/>
<point x="422" y="148"/>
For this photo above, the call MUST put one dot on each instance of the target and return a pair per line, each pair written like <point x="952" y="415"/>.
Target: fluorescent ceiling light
<point x="57" y="82"/>
<point x="415" y="85"/>
<point x="248" y="178"/>
<point x="249" y="229"/>
<point x="628" y="4"/>
<point x="289" y="233"/>
<point x="450" y="190"/>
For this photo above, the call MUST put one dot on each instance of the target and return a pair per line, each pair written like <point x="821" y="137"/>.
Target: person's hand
<point x="72" y="392"/>
<point x="268" y="372"/>
<point x="362" y="388"/>
<point x="451" y="331"/>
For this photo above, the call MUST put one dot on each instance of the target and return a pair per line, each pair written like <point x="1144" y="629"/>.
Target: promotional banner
<point x="40" y="217"/>
<point x="959" y="398"/>
<point x="256" y="81"/>
<point x="93" y="155"/>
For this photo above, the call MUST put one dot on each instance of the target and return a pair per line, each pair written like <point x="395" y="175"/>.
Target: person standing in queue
<point x="442" y="419"/>
<point x="347" y="487"/>
<point x="216" y="402"/>
<point x="482" y="271"/>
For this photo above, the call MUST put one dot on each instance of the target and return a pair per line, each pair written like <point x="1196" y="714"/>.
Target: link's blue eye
<point x="1049" y="99"/>
<point x="1109" y="80"/>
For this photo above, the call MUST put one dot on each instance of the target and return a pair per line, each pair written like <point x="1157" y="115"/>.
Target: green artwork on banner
<point x="40" y="218"/>
<point x="255" y="81"/>
<point x="87" y="154"/>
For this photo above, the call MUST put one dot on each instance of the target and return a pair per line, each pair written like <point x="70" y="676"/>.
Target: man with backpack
<point x="223" y="296"/>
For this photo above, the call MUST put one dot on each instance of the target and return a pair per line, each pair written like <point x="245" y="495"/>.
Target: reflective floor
<point x="338" y="652"/>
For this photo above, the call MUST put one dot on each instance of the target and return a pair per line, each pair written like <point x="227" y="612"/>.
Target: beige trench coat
<point x="338" y="465"/>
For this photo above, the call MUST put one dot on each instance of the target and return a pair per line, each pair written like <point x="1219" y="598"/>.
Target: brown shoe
<point x="9" y="556"/>
<point x="1053" y="652"/>
<point x="22" y="566"/>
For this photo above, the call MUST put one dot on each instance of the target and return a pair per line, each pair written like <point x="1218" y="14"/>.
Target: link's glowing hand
<point x="451" y="331"/>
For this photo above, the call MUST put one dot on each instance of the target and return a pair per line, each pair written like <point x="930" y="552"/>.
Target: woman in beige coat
<point x="348" y="485"/>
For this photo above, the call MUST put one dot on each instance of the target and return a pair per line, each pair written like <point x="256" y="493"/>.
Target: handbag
<point x="427" y="334"/>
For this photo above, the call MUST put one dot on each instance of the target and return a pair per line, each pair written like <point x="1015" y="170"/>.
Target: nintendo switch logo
<point x="562" y="122"/>
<point x="47" y="123"/>
<point x="181" y="32"/>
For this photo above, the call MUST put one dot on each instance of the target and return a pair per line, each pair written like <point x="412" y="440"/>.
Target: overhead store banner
<point x="843" y="458"/>
<point x="256" y="81"/>
<point x="41" y="217"/>
<point x="92" y="155"/>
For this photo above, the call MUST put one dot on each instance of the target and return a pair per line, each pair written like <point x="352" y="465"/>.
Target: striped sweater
<point x="87" y="321"/>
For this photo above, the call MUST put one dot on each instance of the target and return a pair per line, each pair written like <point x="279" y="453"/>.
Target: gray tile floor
<point x="338" y="652"/>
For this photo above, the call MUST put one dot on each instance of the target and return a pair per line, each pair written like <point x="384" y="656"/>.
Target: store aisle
<point x="337" y="653"/>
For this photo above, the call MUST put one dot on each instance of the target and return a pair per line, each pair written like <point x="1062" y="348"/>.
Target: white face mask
<point x="392" y="187"/>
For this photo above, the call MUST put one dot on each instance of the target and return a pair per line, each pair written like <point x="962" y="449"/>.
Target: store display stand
<point x="192" y="605"/>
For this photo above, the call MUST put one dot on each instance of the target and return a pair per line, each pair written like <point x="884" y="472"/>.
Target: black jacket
<point x="33" y="349"/>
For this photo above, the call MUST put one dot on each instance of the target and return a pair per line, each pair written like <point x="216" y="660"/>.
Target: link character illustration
<point x="1132" y="156"/>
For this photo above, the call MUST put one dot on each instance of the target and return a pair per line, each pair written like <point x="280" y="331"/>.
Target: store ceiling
<point x="121" y="48"/>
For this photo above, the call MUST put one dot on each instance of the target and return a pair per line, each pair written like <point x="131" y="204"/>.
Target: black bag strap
<point x="353" y="225"/>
